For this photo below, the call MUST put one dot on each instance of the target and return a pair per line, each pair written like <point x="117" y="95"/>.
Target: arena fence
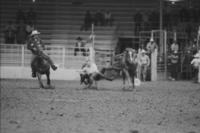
<point x="19" y="55"/>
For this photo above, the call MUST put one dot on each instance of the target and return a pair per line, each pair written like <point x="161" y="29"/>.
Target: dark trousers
<point x="174" y="70"/>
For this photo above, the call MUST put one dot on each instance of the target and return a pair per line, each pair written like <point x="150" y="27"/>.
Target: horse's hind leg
<point x="40" y="80"/>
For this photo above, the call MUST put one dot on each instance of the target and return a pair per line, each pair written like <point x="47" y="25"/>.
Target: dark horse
<point x="129" y="66"/>
<point x="41" y="66"/>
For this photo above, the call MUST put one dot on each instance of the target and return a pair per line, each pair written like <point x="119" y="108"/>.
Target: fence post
<point x="63" y="57"/>
<point x="22" y="58"/>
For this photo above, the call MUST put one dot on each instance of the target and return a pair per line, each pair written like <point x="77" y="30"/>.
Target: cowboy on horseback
<point x="36" y="46"/>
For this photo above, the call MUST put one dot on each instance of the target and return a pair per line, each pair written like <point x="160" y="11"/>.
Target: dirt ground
<point x="155" y="107"/>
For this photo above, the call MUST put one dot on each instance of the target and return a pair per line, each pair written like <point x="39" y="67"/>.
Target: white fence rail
<point x="19" y="55"/>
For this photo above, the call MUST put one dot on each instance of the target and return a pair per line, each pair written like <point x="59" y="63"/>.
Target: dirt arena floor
<point x="156" y="107"/>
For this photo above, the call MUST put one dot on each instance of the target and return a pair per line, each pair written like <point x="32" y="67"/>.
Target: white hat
<point x="175" y="52"/>
<point x="35" y="32"/>
<point x="151" y="40"/>
<point x="197" y="55"/>
<point x="143" y="51"/>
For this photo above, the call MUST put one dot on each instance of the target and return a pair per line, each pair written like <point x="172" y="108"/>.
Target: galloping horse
<point x="41" y="66"/>
<point x="129" y="66"/>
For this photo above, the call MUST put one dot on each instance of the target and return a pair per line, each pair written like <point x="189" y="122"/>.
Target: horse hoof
<point x="50" y="87"/>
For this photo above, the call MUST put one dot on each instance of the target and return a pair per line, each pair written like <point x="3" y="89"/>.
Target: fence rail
<point x="19" y="55"/>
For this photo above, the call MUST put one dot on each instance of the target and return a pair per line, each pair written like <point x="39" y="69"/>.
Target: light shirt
<point x="144" y="60"/>
<point x="151" y="46"/>
<point x="91" y="68"/>
<point x="174" y="47"/>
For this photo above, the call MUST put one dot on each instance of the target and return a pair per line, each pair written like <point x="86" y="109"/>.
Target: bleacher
<point x="60" y="21"/>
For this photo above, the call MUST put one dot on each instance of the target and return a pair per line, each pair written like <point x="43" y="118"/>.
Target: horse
<point x="129" y="67"/>
<point x="41" y="67"/>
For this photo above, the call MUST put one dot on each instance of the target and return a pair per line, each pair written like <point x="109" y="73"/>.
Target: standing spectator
<point x="79" y="47"/>
<point x="152" y="49"/>
<point x="31" y="16"/>
<point x="20" y="16"/>
<point x="108" y="18"/>
<point x="151" y="46"/>
<point x="21" y="33"/>
<point x="9" y="31"/>
<point x="174" y="46"/>
<point x="87" y="21"/>
<point x="138" y="20"/>
<point x="144" y="62"/>
<point x="196" y="66"/>
<point x="174" y="65"/>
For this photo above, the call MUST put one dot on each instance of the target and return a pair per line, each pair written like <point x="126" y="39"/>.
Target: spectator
<point x="99" y="18"/>
<point x="21" y="33"/>
<point x="151" y="46"/>
<point x="144" y="62"/>
<point x="196" y="65"/>
<point x="87" y="21"/>
<point x="174" y="65"/>
<point x="29" y="28"/>
<point x="9" y="31"/>
<point x="174" y="46"/>
<point x="79" y="47"/>
<point x="31" y="16"/>
<point x="138" y="18"/>
<point x="108" y="18"/>
<point x="20" y="17"/>
<point x="152" y="50"/>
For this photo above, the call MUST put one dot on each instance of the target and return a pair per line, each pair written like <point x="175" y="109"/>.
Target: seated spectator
<point x="79" y="47"/>
<point x="108" y="18"/>
<point x="144" y="62"/>
<point x="29" y="28"/>
<point x="20" y="17"/>
<point x="174" y="46"/>
<point x="21" y="33"/>
<point x="87" y="21"/>
<point x="99" y="18"/>
<point x="9" y="32"/>
<point x="138" y="18"/>
<point x="31" y="16"/>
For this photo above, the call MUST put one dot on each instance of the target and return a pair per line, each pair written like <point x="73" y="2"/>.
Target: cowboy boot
<point x="33" y="73"/>
<point x="54" y="67"/>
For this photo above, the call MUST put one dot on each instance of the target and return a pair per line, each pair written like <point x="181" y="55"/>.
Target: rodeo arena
<point x="100" y="66"/>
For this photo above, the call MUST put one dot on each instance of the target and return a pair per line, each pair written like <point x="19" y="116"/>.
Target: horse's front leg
<point x="48" y="79"/>
<point x="40" y="80"/>
<point x="129" y="79"/>
<point x="124" y="79"/>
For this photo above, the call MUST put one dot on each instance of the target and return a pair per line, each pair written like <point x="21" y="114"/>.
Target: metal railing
<point x="19" y="55"/>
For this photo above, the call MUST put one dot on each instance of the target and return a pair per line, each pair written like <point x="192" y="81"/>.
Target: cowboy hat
<point x="130" y="49"/>
<point x="34" y="32"/>
<point x="197" y="55"/>
<point x="143" y="51"/>
<point x="175" y="52"/>
<point x="151" y="40"/>
<point x="79" y="38"/>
